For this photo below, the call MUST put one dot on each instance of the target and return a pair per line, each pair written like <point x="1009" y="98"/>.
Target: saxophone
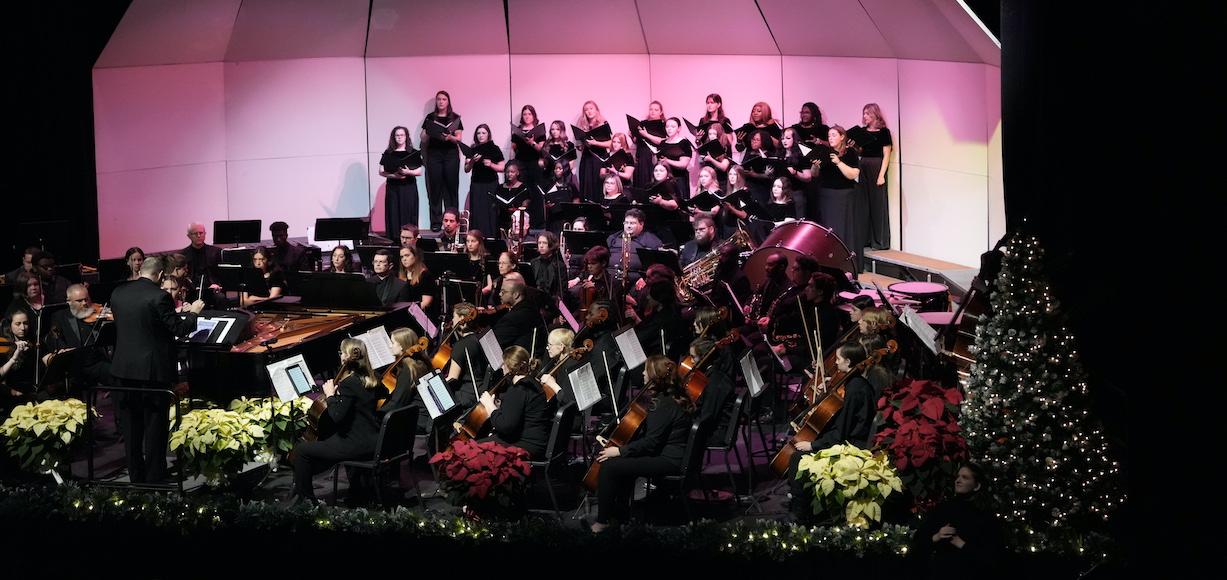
<point x="701" y="273"/>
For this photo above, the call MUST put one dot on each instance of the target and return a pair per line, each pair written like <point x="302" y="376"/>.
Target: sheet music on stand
<point x="416" y="311"/>
<point x="437" y="398"/>
<point x="923" y="330"/>
<point x="566" y="314"/>
<point x="628" y="344"/>
<point x="493" y="352"/>
<point x="749" y="370"/>
<point x="583" y="383"/>
<point x="378" y="346"/>
<point x="291" y="377"/>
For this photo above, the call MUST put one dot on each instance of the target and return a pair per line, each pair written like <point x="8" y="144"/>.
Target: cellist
<point x="521" y="418"/>
<point x="658" y="450"/>
<point x="467" y="367"/>
<point x="412" y="367"/>
<point x="852" y="423"/>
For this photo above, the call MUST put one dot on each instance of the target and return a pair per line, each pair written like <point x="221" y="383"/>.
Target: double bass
<point x="814" y="419"/>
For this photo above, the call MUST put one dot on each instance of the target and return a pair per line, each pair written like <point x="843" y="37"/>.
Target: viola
<point x="810" y="425"/>
<point x="390" y="375"/>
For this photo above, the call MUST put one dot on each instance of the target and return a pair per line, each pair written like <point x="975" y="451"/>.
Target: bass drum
<point x="802" y="238"/>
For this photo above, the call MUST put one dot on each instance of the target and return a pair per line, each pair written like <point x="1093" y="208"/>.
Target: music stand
<point x="427" y="244"/>
<point x="366" y="256"/>
<point x="236" y="232"/>
<point x="247" y="279"/>
<point x="667" y="257"/>
<point x="617" y="213"/>
<point x="328" y="289"/>
<point x="70" y="271"/>
<point x="580" y="242"/>
<point x="593" y="212"/>
<point x="342" y="229"/>
<point x="113" y="270"/>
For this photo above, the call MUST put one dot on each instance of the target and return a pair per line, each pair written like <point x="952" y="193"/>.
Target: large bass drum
<point x="802" y="238"/>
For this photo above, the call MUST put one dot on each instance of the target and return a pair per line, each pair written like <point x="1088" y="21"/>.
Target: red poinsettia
<point x="472" y="471"/>
<point x="921" y="431"/>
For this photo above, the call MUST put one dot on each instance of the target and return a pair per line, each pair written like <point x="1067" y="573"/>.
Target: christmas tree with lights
<point x="1027" y="415"/>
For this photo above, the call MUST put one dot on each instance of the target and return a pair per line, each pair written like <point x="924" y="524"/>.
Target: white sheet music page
<point x="749" y="370"/>
<point x="494" y="352"/>
<point x="926" y="332"/>
<point x="435" y="395"/>
<point x="583" y="383"/>
<point x="281" y="381"/>
<point x="378" y="346"/>
<point x="628" y="344"/>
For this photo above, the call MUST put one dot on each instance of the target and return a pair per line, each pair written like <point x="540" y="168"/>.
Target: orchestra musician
<point x="291" y="257"/>
<point x="633" y="230"/>
<point x="704" y="238"/>
<point x="852" y="423"/>
<point x="27" y="296"/>
<point x="20" y="365"/>
<point x="351" y="402"/>
<point x="442" y="159"/>
<point x="409" y="234"/>
<point x="475" y="247"/>
<point x="388" y="287"/>
<point x="134" y="257"/>
<point x="491" y="293"/>
<point x="421" y="285"/>
<point x="202" y="260"/>
<point x="274" y="278"/>
<point x="342" y="258"/>
<point x="775" y="321"/>
<point x="55" y="287"/>
<point x="776" y="269"/>
<point x="558" y="345"/>
<point x="412" y="368"/>
<point x="451" y="225"/>
<point x="467" y="367"/>
<point x="795" y="322"/>
<point x="401" y="192"/>
<point x="658" y="451"/>
<point x="522" y="416"/>
<point x="549" y="269"/>
<point x="523" y="324"/>
<point x="661" y="326"/>
<point x="597" y="282"/>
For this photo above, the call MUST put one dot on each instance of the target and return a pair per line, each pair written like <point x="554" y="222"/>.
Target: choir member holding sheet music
<point x="559" y="190"/>
<point x="594" y="136"/>
<point x="713" y="152"/>
<point x="837" y="204"/>
<point x="620" y="162"/>
<point x="485" y="160"/>
<point x="811" y="130"/>
<point x="510" y="197"/>
<point x="647" y="135"/>
<point x="558" y="149"/>
<point x="400" y="165"/>
<point x="799" y="174"/>
<point x="527" y="139"/>
<point x="676" y="151"/>
<point x="713" y="114"/>
<point x="755" y="162"/>
<point x="441" y="131"/>
<point x="760" y="118"/>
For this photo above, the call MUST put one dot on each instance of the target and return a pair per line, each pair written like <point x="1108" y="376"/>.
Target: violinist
<point x="412" y="368"/>
<point x="82" y="325"/>
<point x="491" y="294"/>
<point x="659" y="449"/>
<point x="852" y="423"/>
<point x="27" y="296"/>
<point x="521" y="417"/>
<point x="467" y="367"/>
<point x="351" y="401"/>
<point x="19" y="366"/>
<point x="558" y="347"/>
<point x="597" y="283"/>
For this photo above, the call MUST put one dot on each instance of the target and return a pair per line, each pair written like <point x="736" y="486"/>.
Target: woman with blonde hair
<point x="875" y="159"/>
<point x="593" y="151"/>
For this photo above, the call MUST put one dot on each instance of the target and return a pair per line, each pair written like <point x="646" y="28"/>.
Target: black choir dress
<point x="482" y="186"/>
<point x="442" y="172"/>
<point x="674" y="152"/>
<point x="400" y="205"/>
<point x="590" y="165"/>
<point x="876" y="223"/>
<point x="839" y="205"/>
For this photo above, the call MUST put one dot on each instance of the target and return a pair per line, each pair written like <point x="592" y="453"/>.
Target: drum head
<point x="800" y="238"/>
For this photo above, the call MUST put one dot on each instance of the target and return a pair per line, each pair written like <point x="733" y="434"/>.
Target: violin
<point x="575" y="354"/>
<point x="444" y="354"/>
<point x="390" y="375"/>
<point x="809" y="426"/>
<point x="99" y="313"/>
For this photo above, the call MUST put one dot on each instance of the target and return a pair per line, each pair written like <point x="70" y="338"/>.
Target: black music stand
<point x="580" y="242"/>
<point x="113" y="270"/>
<point x="593" y="212"/>
<point x="236" y="232"/>
<point x="247" y="279"/>
<point x="342" y="229"/>
<point x="333" y="290"/>
<point x="669" y="258"/>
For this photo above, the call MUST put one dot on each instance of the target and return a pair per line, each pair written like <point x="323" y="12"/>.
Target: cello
<point x="809" y="425"/>
<point x="576" y="354"/>
<point x="390" y="375"/>
<point x="444" y="354"/>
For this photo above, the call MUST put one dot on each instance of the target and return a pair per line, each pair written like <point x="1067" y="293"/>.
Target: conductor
<point x="146" y="326"/>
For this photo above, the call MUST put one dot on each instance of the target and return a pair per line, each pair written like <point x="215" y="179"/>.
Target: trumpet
<point x="462" y="232"/>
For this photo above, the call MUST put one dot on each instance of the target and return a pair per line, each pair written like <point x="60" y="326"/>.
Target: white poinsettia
<point x="849" y="483"/>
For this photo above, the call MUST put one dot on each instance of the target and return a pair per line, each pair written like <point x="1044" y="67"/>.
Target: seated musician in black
<point x="776" y="324"/>
<point x="521" y="417"/>
<point x="658" y="450"/>
<point x="91" y="365"/>
<point x="523" y="324"/>
<point x="798" y="324"/>
<point x="718" y="395"/>
<point x="467" y="367"/>
<point x="558" y="346"/>
<point x="596" y="282"/>
<point x="412" y="368"/>
<point x="632" y="228"/>
<point x="388" y="286"/>
<point x="351" y="411"/>
<point x="852" y="423"/>
<point x="704" y="239"/>
<point x="661" y="322"/>
<point x="637" y="299"/>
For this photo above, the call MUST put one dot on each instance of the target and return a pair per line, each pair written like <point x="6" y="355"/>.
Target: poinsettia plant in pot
<point x="922" y="433"/>
<point x="486" y="479"/>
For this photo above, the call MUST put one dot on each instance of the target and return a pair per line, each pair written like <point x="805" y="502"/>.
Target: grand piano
<point x="332" y="307"/>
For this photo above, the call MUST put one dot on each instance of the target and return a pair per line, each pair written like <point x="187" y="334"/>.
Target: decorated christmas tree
<point x="1027" y="415"/>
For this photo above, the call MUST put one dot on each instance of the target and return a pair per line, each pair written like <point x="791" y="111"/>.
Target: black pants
<point x="616" y="482"/>
<point x="314" y="457"/>
<point x="146" y="422"/>
<point x="443" y="179"/>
